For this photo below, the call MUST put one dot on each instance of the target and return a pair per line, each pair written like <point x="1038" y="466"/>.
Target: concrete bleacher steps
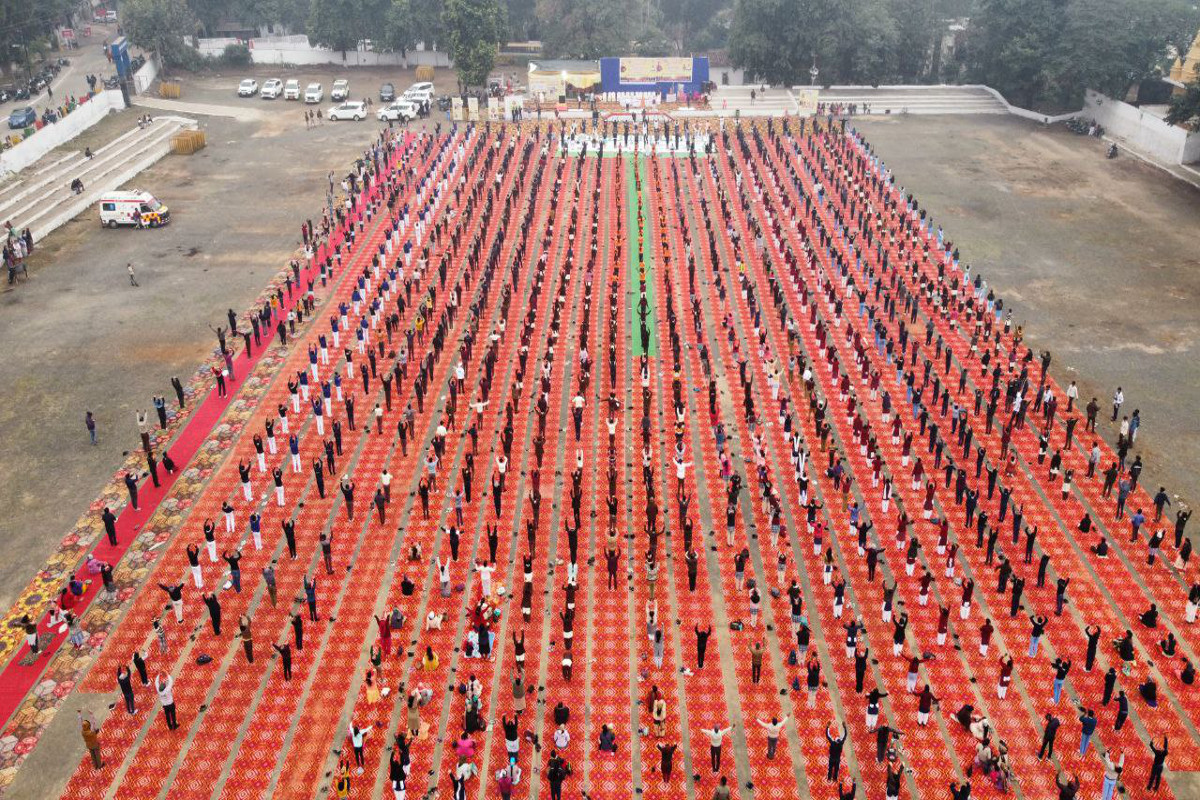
<point x="918" y="100"/>
<point x="883" y="100"/>
<point x="43" y="201"/>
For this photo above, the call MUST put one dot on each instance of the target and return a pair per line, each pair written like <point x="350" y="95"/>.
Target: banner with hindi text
<point x="656" y="70"/>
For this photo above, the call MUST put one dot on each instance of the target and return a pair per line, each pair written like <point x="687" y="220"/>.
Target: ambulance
<point x="136" y="207"/>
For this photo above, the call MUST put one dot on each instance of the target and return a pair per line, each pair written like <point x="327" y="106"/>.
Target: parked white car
<point x="248" y="88"/>
<point x="340" y="91"/>
<point x="271" y="89"/>
<point x="418" y="94"/>
<point x="354" y="111"/>
<point x="291" y="89"/>
<point x="399" y="110"/>
<point x="315" y="93"/>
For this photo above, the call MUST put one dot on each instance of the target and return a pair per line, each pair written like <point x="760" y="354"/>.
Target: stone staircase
<point x="775" y="102"/>
<point x="728" y="100"/>
<point x="917" y="99"/>
<point x="40" y="197"/>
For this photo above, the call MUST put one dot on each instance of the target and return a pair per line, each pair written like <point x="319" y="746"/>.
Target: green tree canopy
<point x="1185" y="108"/>
<point x="474" y="29"/>
<point x="850" y="40"/>
<point x="772" y="40"/>
<point x="1047" y="52"/>
<point x="523" y="23"/>
<point x="685" y="19"/>
<point x="27" y="26"/>
<point x="342" y="24"/>
<point x="591" y="29"/>
<point x="160" y="27"/>
<point x="1013" y="45"/>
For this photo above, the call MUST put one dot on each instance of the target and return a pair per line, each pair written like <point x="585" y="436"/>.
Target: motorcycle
<point x="1078" y="125"/>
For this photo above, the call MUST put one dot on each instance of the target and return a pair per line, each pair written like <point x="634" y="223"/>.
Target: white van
<point x="291" y="89"/>
<point x="137" y="208"/>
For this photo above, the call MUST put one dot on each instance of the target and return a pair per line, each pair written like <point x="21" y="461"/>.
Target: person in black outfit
<point x="289" y="533"/>
<point x="285" y="656"/>
<point x="1110" y="682"/>
<point x="835" y="752"/>
<point x="1067" y="788"/>
<point x="556" y="773"/>
<point x="214" y="611"/>
<point x="883" y="737"/>
<point x="139" y="663"/>
<point x="1156" y="768"/>
<point x="701" y="644"/>
<point x="666" y="760"/>
<point x="1122" y="711"/>
<point x="1093" y="638"/>
<point x="298" y="630"/>
<point x="125" y="681"/>
<point x="1048" y="734"/>
<point x="110" y="525"/>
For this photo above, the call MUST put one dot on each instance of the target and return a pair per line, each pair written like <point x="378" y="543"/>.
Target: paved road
<point x="88" y="59"/>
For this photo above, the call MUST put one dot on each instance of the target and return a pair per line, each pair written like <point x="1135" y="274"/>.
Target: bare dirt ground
<point x="78" y="337"/>
<point x="1099" y="259"/>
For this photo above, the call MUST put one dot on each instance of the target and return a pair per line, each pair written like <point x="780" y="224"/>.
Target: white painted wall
<point x="67" y="128"/>
<point x="145" y="76"/>
<point x="296" y="50"/>
<point x="1191" y="149"/>
<point x="1036" y="116"/>
<point x="1140" y="129"/>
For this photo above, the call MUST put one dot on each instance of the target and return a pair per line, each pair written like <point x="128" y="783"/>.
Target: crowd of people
<point x="849" y="343"/>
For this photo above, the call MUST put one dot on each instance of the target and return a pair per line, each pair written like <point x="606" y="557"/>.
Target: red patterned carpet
<point x="739" y="400"/>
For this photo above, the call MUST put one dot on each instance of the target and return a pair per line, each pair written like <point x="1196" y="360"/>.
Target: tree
<point x="585" y="28"/>
<point x="474" y="29"/>
<point x="27" y="27"/>
<point x="425" y="22"/>
<point x="209" y="13"/>
<point x="684" y="19"/>
<point x="1109" y="45"/>
<point x="1047" y="52"/>
<point x="523" y="24"/>
<point x="1185" y="108"/>
<point x="290" y="13"/>
<point x="778" y="40"/>
<point x="1012" y="44"/>
<point x="160" y="27"/>
<point x="918" y="33"/>
<point x="859" y="44"/>
<point x="337" y="24"/>
<point x="397" y="27"/>
<point x="771" y="40"/>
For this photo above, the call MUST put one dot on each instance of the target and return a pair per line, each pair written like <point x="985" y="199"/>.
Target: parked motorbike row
<point x="36" y="83"/>
<point x="1085" y="127"/>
